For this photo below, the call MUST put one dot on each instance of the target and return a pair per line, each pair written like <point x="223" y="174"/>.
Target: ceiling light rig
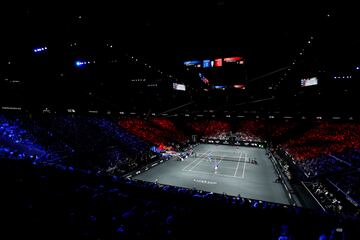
<point x="149" y="66"/>
<point x="301" y="53"/>
<point x="40" y="49"/>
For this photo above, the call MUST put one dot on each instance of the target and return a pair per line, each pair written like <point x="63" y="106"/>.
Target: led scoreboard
<point x="219" y="73"/>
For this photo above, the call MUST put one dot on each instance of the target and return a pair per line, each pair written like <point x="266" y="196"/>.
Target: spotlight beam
<point x="255" y="101"/>
<point x="176" y="108"/>
<point x="269" y="74"/>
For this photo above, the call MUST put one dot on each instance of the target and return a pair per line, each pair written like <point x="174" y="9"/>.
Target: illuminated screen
<point x="218" y="62"/>
<point x="239" y="86"/>
<point x="305" y="82"/>
<point x="180" y="87"/>
<point x="218" y="72"/>
<point x="238" y="60"/>
<point x="206" y="63"/>
<point x="221" y="87"/>
<point x="192" y="63"/>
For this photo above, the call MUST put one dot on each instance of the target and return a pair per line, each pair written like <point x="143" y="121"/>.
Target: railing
<point x="350" y="199"/>
<point x="257" y="144"/>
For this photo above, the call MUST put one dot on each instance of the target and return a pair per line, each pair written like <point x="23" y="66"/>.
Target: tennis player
<point x="216" y="166"/>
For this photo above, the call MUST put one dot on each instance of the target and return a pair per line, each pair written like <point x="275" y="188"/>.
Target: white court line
<point x="189" y="164"/>
<point x="195" y="165"/>
<point x="243" y="173"/>
<point x="218" y="174"/>
<point x="196" y="159"/>
<point x="198" y="163"/>
<point x="218" y="164"/>
<point x="237" y="166"/>
<point x="207" y="165"/>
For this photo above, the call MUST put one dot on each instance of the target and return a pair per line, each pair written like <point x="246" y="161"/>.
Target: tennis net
<point x="223" y="158"/>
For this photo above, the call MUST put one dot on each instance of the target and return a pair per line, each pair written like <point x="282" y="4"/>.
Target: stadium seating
<point x="70" y="204"/>
<point x="88" y="154"/>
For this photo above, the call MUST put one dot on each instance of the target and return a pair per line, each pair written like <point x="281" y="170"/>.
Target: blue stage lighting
<point x="78" y="63"/>
<point x="37" y="50"/>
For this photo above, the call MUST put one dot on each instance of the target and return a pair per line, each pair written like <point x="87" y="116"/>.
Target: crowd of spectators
<point x="153" y="132"/>
<point x="316" y="172"/>
<point x="16" y="142"/>
<point x="102" y="146"/>
<point x="136" y="149"/>
<point x="324" y="138"/>
<point x="328" y="150"/>
<point x="351" y="156"/>
<point x="255" y="130"/>
<point x="321" y="165"/>
<point x="326" y="198"/>
<point x="285" y="166"/>
<point x="246" y="130"/>
<point x="95" y="139"/>
<point x="247" y="137"/>
<point x="43" y="202"/>
<point x="170" y="127"/>
<point x="250" y="130"/>
<point x="97" y="146"/>
<point x="278" y="129"/>
<point x="210" y="128"/>
<point x="349" y="184"/>
<point x="324" y="148"/>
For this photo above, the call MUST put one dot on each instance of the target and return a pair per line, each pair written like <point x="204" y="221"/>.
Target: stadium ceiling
<point x="270" y="36"/>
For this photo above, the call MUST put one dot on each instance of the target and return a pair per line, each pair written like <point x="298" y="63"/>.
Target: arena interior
<point x="180" y="119"/>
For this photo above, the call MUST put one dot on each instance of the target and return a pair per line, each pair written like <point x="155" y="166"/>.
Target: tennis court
<point x="244" y="171"/>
